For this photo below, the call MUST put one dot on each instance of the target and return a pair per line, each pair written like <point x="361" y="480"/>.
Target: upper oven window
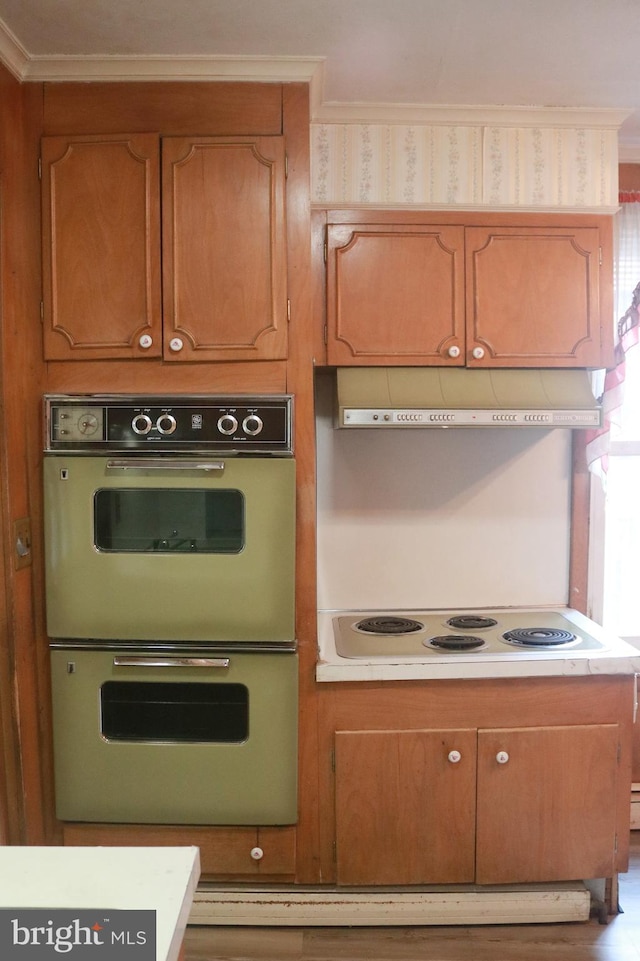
<point x="163" y="520"/>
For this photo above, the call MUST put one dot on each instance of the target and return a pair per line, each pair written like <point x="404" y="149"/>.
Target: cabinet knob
<point x="257" y="854"/>
<point x="502" y="757"/>
<point x="145" y="341"/>
<point x="454" y="351"/>
<point x="478" y="353"/>
<point x="176" y="344"/>
<point x="454" y="756"/>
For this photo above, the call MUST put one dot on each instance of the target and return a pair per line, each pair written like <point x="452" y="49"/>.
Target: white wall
<point x="440" y="518"/>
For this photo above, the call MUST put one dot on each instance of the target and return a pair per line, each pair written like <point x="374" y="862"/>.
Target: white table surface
<point x="162" y="879"/>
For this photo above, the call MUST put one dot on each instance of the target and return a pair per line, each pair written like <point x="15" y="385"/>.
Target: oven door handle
<point x="150" y="661"/>
<point x="142" y="463"/>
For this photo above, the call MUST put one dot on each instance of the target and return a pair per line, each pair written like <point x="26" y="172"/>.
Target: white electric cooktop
<point x="390" y="644"/>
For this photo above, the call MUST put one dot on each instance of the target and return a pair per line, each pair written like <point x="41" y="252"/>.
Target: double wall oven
<point x="169" y="562"/>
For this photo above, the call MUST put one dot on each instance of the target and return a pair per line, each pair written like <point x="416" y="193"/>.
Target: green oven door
<point x="176" y="550"/>
<point x="148" y="739"/>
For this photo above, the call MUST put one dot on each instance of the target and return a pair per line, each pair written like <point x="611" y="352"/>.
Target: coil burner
<point x="540" y="637"/>
<point x="455" y="642"/>
<point x="387" y="624"/>
<point x="471" y="622"/>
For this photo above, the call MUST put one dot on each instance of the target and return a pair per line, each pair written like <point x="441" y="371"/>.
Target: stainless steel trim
<point x="138" y="661"/>
<point x="179" y="648"/>
<point x="144" y="463"/>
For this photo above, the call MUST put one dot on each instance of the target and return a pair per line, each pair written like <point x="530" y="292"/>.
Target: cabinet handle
<point x="502" y="757"/>
<point x="454" y="756"/>
<point x="176" y="344"/>
<point x="149" y="463"/>
<point x="454" y="351"/>
<point x="146" y="341"/>
<point x="478" y="353"/>
<point x="140" y="661"/>
<point x="257" y="854"/>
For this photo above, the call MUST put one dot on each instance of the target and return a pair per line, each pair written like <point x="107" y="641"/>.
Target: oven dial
<point x="141" y="424"/>
<point x="227" y="424"/>
<point x="166" y="424"/>
<point x="252" y="425"/>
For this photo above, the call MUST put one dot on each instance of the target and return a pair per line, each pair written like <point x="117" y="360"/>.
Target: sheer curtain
<point x="621" y="388"/>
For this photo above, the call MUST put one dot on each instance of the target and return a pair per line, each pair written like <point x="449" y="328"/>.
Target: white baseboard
<point x="436" y="906"/>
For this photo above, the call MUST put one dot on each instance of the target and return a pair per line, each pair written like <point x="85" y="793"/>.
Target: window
<point x="620" y="496"/>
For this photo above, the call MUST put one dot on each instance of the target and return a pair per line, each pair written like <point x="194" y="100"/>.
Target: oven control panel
<point x="229" y="424"/>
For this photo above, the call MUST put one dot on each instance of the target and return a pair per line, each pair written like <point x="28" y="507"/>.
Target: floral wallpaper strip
<point x="466" y="166"/>
<point x="536" y="167"/>
<point x="394" y="164"/>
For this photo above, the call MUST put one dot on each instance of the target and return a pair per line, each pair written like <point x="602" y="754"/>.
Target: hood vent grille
<point x="448" y="397"/>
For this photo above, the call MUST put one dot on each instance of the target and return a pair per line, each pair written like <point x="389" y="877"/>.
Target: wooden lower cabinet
<point x="492" y="806"/>
<point x="251" y="852"/>
<point x="484" y="803"/>
<point x="548" y="812"/>
<point x="405" y="814"/>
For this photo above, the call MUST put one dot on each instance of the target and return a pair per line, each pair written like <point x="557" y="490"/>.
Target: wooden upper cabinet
<point x="395" y="294"/>
<point x="221" y="292"/>
<point x="224" y="248"/>
<point x="101" y="246"/>
<point x="488" y="292"/>
<point x="533" y="296"/>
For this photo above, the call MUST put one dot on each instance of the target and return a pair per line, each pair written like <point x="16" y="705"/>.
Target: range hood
<point x="458" y="397"/>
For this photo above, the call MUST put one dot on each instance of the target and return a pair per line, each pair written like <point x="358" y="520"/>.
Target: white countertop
<point x="162" y="879"/>
<point x="617" y="657"/>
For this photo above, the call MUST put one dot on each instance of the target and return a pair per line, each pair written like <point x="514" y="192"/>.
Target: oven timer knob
<point x="141" y="424"/>
<point x="252" y="425"/>
<point x="166" y="424"/>
<point x="227" y="424"/>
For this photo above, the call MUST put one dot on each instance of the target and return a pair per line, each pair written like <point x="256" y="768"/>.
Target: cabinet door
<point x="101" y="247"/>
<point x="546" y="803"/>
<point x="224" y="248"/>
<point x="533" y="296"/>
<point x="405" y="806"/>
<point x="395" y="294"/>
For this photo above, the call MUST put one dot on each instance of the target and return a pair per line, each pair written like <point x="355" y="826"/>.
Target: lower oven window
<point x="174" y="711"/>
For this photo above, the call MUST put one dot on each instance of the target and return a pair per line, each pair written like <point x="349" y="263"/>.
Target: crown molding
<point x="12" y="54"/>
<point x="469" y="115"/>
<point x="126" y="68"/>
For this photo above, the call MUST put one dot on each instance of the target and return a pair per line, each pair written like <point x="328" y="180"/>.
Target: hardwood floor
<point x="619" y="940"/>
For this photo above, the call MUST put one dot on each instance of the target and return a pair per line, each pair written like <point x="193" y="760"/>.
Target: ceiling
<point x="374" y="55"/>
